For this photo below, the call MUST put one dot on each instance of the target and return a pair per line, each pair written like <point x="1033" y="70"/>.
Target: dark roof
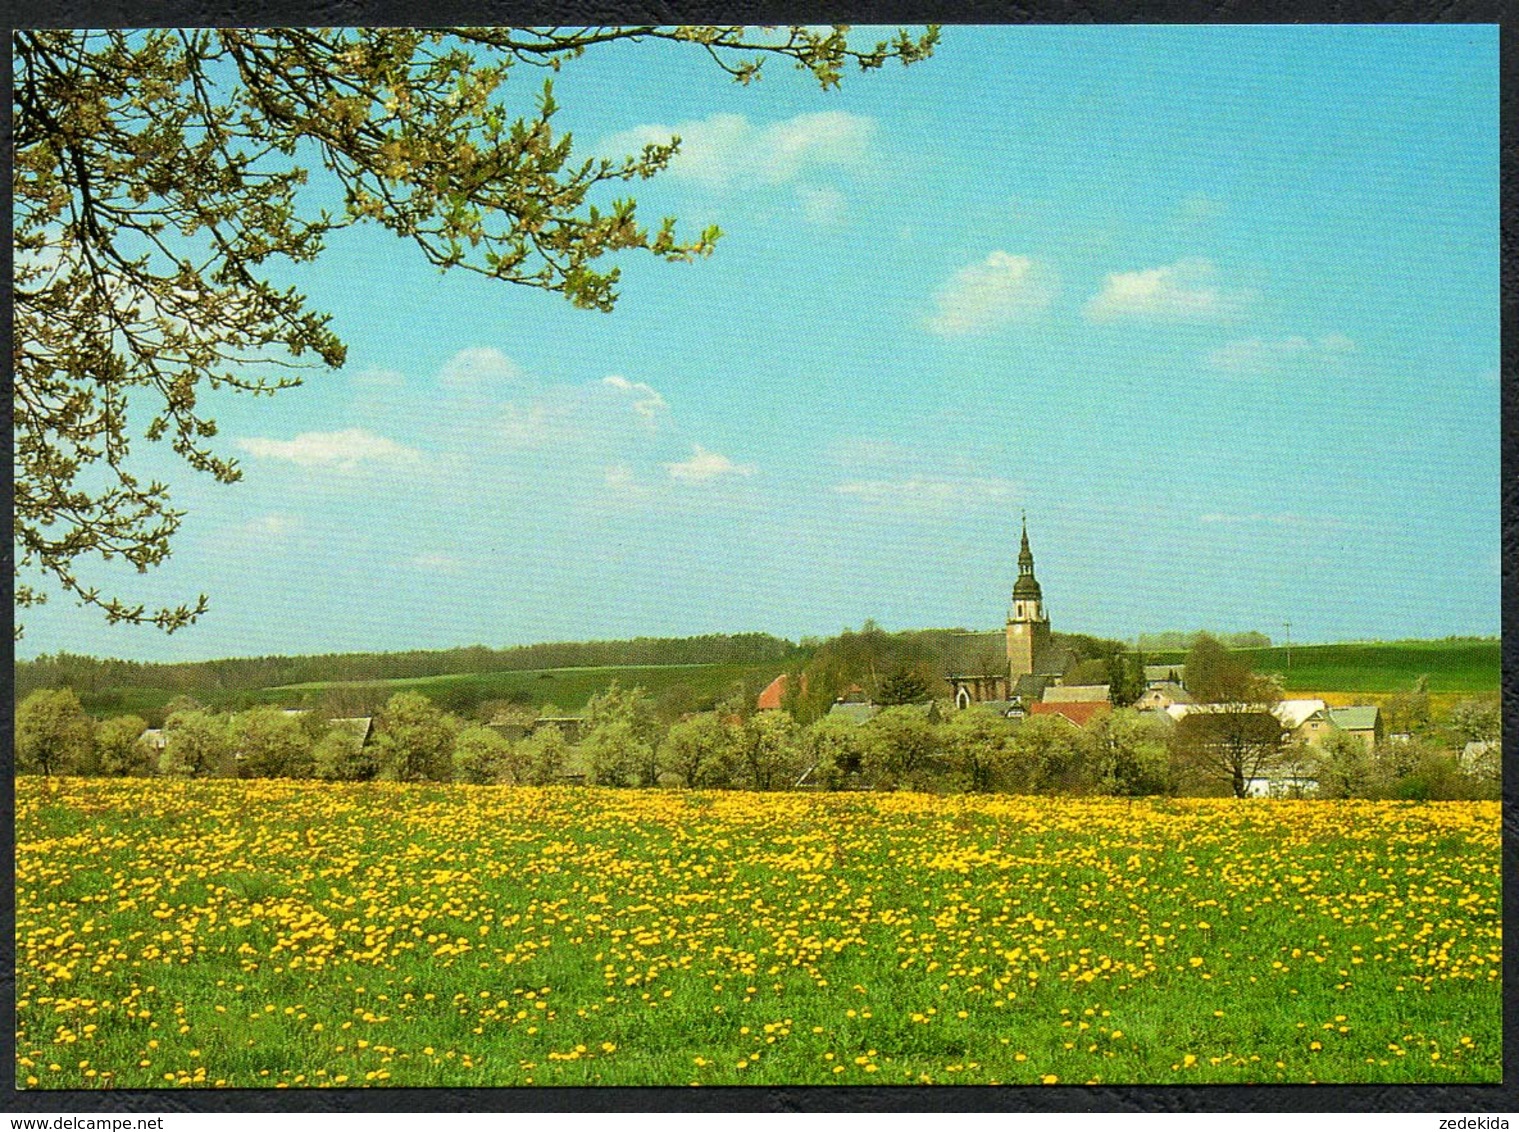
<point x="1026" y="587"/>
<point x="997" y="707"/>
<point x="1030" y="689"/>
<point x="976" y="654"/>
<point x="1170" y="690"/>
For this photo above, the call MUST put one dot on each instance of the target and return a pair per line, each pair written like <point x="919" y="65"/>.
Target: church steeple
<point x="1028" y="623"/>
<point x="1027" y="587"/>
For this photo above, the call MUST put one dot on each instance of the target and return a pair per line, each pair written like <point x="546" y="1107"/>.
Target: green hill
<point x="567" y="689"/>
<point x="1452" y="665"/>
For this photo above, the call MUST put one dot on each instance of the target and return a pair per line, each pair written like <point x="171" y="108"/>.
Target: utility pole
<point x="1287" y="625"/>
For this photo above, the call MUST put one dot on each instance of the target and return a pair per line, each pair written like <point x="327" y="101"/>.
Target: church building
<point x="979" y="677"/>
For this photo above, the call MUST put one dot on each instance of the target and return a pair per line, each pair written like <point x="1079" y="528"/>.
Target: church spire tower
<point x="1028" y="625"/>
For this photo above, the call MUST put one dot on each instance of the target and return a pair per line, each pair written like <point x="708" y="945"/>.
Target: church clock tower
<point x="1028" y="625"/>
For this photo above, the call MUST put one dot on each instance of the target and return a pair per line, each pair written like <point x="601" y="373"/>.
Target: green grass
<point x="1462" y="665"/>
<point x="253" y="933"/>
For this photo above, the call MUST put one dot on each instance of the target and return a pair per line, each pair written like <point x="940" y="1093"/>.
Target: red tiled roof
<point x="770" y="698"/>
<point x="1078" y="713"/>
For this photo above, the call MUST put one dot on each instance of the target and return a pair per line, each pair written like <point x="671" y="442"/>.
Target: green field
<point x="568" y="689"/>
<point x="1463" y="665"/>
<point x="258" y="933"/>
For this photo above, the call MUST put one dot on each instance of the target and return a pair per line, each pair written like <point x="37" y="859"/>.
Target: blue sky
<point x="1217" y="306"/>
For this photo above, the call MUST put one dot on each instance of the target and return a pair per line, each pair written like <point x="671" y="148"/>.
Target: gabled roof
<point x="1291" y="714"/>
<point x="975" y="654"/>
<point x="1076" y="694"/>
<point x="1079" y="712"/>
<point x="360" y="725"/>
<point x="1168" y="688"/>
<point x="770" y="698"/>
<point x="996" y="707"/>
<point x="1030" y="688"/>
<point x="1360" y="717"/>
<point x="1294" y="713"/>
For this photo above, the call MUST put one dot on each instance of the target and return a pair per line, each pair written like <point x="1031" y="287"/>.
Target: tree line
<point x="623" y="741"/>
<point x="865" y="657"/>
<point x="90" y="675"/>
<point x="1177" y="640"/>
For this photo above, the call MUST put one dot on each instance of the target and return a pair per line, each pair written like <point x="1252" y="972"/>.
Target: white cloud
<point x="270" y="526"/>
<point x="545" y="423"/>
<point x="1181" y="291"/>
<point x="598" y="413"/>
<point x="984" y="296"/>
<point x="344" y="450"/>
<point x="478" y="367"/>
<point x="823" y="206"/>
<point x="1257" y="356"/>
<point x="620" y="480"/>
<point x="646" y="399"/>
<point x="725" y="151"/>
<point x="928" y="494"/>
<point x="378" y="378"/>
<point x="704" y="465"/>
<point x="435" y="563"/>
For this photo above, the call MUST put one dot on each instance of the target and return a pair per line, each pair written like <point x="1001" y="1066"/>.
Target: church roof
<point x="1030" y="688"/>
<point x="1026" y="587"/>
<point x="976" y="654"/>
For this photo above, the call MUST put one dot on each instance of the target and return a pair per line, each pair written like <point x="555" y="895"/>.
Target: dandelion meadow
<point x="273" y="933"/>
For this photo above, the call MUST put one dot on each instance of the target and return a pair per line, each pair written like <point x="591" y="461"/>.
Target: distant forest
<point x="1177" y="640"/>
<point x="89" y="675"/>
<point x="863" y="658"/>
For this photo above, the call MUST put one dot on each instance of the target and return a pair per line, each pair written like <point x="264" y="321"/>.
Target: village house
<point x="1077" y="712"/>
<point x="1161" y="695"/>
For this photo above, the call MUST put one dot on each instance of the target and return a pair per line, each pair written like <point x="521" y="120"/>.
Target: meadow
<point x="1460" y="665"/>
<point x="274" y="933"/>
